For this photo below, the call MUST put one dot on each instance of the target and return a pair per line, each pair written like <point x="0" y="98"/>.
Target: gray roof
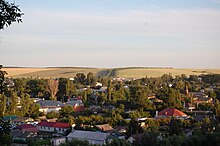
<point x="50" y="103"/>
<point x="20" y="134"/>
<point x="88" y="135"/>
<point x="74" y="102"/>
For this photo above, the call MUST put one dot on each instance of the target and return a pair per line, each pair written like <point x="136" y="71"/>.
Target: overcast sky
<point x="114" y="33"/>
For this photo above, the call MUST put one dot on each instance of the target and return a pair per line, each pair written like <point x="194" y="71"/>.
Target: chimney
<point x="156" y="114"/>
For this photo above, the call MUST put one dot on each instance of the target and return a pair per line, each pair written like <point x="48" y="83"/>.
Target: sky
<point x="114" y="33"/>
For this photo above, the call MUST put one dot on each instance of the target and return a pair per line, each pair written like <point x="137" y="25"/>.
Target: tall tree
<point x="25" y="104"/>
<point x="5" y="138"/>
<point x="13" y="101"/>
<point x="34" y="110"/>
<point x="109" y="90"/>
<point x="2" y="78"/>
<point x="80" y="78"/>
<point x="20" y="85"/>
<point x="90" y="79"/>
<point x="52" y="88"/>
<point x="9" y="13"/>
<point x="134" y="128"/>
<point x="70" y="88"/>
<point x="3" y="100"/>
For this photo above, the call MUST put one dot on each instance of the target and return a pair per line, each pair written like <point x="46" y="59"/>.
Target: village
<point x="114" y="111"/>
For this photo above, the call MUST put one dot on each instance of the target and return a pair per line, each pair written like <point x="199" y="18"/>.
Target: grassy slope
<point x="135" y="72"/>
<point x="157" y="72"/>
<point x="49" y="72"/>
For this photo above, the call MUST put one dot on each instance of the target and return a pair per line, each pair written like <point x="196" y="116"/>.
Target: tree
<point x="80" y="78"/>
<point x="134" y="127"/>
<point x="34" y="110"/>
<point x="90" y="79"/>
<point x="20" y="85"/>
<point x="52" y="115"/>
<point x="9" y="13"/>
<point x="77" y="143"/>
<point x="13" y="101"/>
<point x="118" y="142"/>
<point x="66" y="110"/>
<point x="70" y="88"/>
<point x="175" y="126"/>
<point x="150" y="138"/>
<point x="25" y="104"/>
<point x="109" y="90"/>
<point x="5" y="138"/>
<point x="52" y="88"/>
<point x="3" y="99"/>
<point x="2" y="77"/>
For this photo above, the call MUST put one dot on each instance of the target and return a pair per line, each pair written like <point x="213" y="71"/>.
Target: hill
<point x="131" y="72"/>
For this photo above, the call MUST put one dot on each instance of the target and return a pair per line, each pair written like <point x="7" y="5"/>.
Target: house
<point x="104" y="128"/>
<point x="21" y="120"/>
<point x="172" y="112"/>
<point x="36" y="99"/>
<point x="53" y="127"/>
<point x="98" y="138"/>
<point x="198" y="94"/>
<point x="100" y="90"/>
<point x="47" y="106"/>
<point x="77" y="105"/>
<point x="154" y="99"/>
<point x="9" y="118"/>
<point x="202" y="100"/>
<point x="98" y="84"/>
<point x="44" y="118"/>
<point x="121" y="129"/>
<point x="57" y="141"/>
<point x="188" y="106"/>
<point x="22" y="135"/>
<point x="135" y="138"/>
<point x="27" y="128"/>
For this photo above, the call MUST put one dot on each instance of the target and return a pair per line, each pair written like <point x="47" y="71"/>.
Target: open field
<point x="132" y="72"/>
<point x="67" y="72"/>
<point x="157" y="72"/>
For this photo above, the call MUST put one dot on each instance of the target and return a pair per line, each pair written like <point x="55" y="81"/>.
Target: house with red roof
<point x="77" y="105"/>
<point x="172" y="112"/>
<point x="104" y="128"/>
<point x="57" y="127"/>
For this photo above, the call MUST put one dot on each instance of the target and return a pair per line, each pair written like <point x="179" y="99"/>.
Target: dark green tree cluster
<point x="5" y="137"/>
<point x="9" y="13"/>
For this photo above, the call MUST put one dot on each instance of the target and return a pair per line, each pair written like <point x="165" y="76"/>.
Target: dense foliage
<point x="9" y="13"/>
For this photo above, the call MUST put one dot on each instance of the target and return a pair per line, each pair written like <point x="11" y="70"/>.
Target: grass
<point x="133" y="72"/>
<point x="48" y="72"/>
<point x="157" y="72"/>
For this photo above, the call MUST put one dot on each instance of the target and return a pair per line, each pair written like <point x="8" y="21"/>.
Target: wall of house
<point x="60" y="130"/>
<point x="57" y="142"/>
<point x="47" y="110"/>
<point x="46" y="129"/>
<point x="52" y="129"/>
<point x="91" y="141"/>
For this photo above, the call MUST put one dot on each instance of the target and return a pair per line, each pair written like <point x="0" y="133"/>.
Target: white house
<point x="57" y="127"/>
<point x="98" y="138"/>
<point x="57" y="141"/>
<point x="47" y="106"/>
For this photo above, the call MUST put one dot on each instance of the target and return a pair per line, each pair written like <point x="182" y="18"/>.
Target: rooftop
<point x="50" y="103"/>
<point x="172" y="112"/>
<point x="88" y="135"/>
<point x="54" y="124"/>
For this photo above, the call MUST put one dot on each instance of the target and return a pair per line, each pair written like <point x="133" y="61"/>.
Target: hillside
<point x="132" y="72"/>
